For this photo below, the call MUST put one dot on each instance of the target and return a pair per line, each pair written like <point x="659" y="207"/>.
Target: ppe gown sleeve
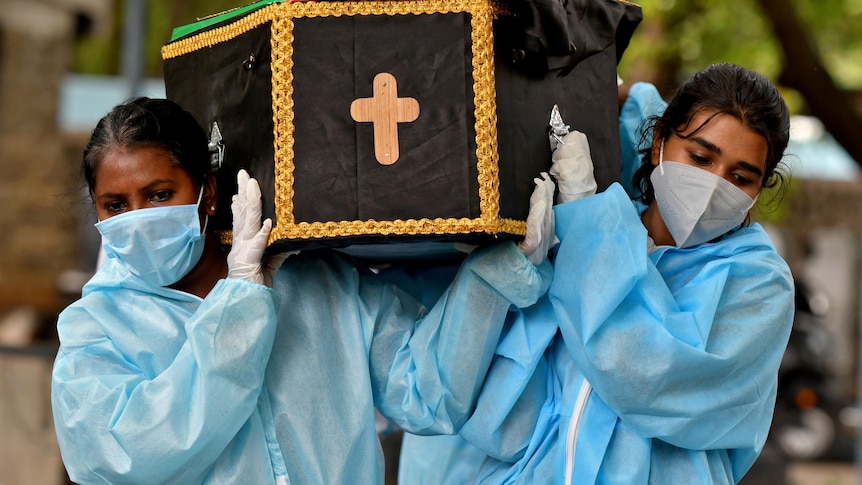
<point x="426" y="373"/>
<point x="689" y="355"/>
<point x="117" y="422"/>
<point x="518" y="385"/>
<point x="642" y="102"/>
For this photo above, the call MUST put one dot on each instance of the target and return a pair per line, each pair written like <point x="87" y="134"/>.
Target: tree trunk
<point x="804" y="72"/>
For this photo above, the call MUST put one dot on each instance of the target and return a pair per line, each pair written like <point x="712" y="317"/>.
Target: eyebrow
<point x="149" y="186"/>
<point x="706" y="144"/>
<point x="715" y="149"/>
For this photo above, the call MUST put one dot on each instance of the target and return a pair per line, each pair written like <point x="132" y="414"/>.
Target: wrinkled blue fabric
<point x="424" y="460"/>
<point x="642" y="102"/>
<point x="681" y="348"/>
<point x="249" y="384"/>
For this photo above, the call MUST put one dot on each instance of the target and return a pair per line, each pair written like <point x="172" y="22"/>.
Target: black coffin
<point x="382" y="122"/>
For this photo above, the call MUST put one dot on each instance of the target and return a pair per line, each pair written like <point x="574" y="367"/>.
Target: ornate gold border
<point x="282" y="15"/>
<point x="218" y="35"/>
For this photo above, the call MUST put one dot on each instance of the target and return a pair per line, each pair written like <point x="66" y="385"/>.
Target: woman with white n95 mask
<point x="654" y="358"/>
<point x="705" y="177"/>
<point x="678" y="357"/>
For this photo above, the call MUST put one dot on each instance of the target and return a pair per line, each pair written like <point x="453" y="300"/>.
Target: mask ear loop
<point x="661" y="158"/>
<point x="206" y="215"/>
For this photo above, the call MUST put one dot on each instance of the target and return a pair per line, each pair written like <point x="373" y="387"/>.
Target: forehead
<point x="126" y="168"/>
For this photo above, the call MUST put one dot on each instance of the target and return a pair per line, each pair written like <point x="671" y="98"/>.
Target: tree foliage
<point x="811" y="48"/>
<point x="680" y="37"/>
<point x="101" y="54"/>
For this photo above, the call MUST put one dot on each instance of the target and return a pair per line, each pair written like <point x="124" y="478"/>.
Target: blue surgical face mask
<point x="159" y="244"/>
<point x="696" y="206"/>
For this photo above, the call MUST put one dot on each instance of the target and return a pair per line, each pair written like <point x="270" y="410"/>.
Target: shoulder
<point x="745" y="259"/>
<point x="752" y="243"/>
<point x="749" y="256"/>
<point x="92" y="318"/>
<point x="642" y="100"/>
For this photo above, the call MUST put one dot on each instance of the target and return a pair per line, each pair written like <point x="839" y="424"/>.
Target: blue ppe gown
<point x="664" y="367"/>
<point x="434" y="460"/>
<point x="681" y="348"/>
<point x="252" y="385"/>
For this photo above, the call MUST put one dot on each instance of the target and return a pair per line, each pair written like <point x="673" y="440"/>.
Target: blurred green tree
<point x="811" y="48"/>
<point x="100" y="54"/>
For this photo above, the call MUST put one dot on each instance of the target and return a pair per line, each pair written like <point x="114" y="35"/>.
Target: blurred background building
<point x="65" y="63"/>
<point x="38" y="218"/>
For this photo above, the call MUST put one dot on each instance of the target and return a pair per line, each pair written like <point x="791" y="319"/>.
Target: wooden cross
<point x="385" y="110"/>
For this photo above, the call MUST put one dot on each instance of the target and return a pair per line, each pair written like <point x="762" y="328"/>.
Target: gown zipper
<point x="574" y="427"/>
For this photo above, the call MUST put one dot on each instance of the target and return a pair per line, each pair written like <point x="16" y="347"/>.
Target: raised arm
<point x="151" y="384"/>
<point x="125" y="415"/>
<point x="687" y="353"/>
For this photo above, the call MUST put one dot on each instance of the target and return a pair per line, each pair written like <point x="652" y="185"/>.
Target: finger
<point x="242" y="182"/>
<point x="262" y="235"/>
<point x="238" y="204"/>
<point x="575" y="137"/>
<point x="253" y="208"/>
<point x="237" y="209"/>
<point x="252" y="189"/>
<point x="536" y="214"/>
<point x="550" y="188"/>
<point x="254" y="199"/>
<point x="537" y="192"/>
<point x="242" y="185"/>
<point x="574" y="144"/>
<point x="543" y="191"/>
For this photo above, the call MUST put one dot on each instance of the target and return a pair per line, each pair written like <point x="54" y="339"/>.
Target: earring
<point x="212" y="208"/>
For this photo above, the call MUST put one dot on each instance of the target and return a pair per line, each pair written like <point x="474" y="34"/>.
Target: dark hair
<point x="149" y="122"/>
<point x="728" y="89"/>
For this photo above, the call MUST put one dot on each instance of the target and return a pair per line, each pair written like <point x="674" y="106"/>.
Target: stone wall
<point x="39" y="210"/>
<point x="37" y="178"/>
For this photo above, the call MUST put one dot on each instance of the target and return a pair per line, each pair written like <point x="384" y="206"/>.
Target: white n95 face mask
<point x="158" y="244"/>
<point x="696" y="205"/>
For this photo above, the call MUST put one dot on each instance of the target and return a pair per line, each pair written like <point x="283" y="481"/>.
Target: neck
<point x="655" y="226"/>
<point x="211" y="268"/>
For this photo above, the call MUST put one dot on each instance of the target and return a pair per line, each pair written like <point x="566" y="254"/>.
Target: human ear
<point x="655" y="149"/>
<point x="210" y="197"/>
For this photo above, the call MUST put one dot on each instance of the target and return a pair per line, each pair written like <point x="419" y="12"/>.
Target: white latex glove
<point x="572" y="168"/>
<point x="249" y="235"/>
<point x="540" y="221"/>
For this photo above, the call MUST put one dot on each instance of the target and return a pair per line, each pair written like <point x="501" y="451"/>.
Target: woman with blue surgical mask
<point x="185" y="362"/>
<point x="654" y="358"/>
<point x="130" y="170"/>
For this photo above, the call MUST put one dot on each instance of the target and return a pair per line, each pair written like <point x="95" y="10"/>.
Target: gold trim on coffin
<point x="282" y="15"/>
